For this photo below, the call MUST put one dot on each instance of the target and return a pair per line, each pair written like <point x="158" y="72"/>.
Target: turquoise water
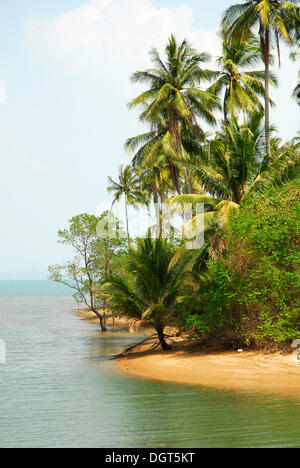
<point x="57" y="389"/>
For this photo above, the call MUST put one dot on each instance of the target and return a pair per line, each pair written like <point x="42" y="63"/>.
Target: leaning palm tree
<point x="234" y="168"/>
<point x="242" y="89"/>
<point x="275" y="20"/>
<point x="174" y="96"/>
<point x="153" y="286"/>
<point x="128" y="187"/>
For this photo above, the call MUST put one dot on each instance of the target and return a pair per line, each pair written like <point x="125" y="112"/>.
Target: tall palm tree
<point x="174" y="96"/>
<point x="128" y="187"/>
<point x="152" y="286"/>
<point x="242" y="89"/>
<point x="275" y="20"/>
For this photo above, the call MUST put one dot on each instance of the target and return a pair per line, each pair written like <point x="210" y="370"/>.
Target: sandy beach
<point x="247" y="371"/>
<point x="250" y="371"/>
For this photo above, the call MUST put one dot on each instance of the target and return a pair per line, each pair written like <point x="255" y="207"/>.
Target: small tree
<point x="97" y="253"/>
<point x="77" y="299"/>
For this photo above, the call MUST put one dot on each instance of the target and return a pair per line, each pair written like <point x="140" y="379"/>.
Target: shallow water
<point x="57" y="389"/>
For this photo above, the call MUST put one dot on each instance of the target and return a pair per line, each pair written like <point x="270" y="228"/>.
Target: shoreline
<point x="88" y="316"/>
<point x="250" y="371"/>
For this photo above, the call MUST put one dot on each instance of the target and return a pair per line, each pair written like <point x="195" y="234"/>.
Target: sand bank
<point x="248" y="371"/>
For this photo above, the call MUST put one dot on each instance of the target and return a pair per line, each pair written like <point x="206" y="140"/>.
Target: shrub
<point x="253" y="295"/>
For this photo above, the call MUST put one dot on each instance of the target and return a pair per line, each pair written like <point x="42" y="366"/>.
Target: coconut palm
<point x="242" y="89"/>
<point x="128" y="187"/>
<point x="153" y="286"/>
<point x="174" y="96"/>
<point x="154" y="149"/>
<point x="275" y="20"/>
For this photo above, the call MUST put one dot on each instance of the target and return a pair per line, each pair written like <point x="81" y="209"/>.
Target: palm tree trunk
<point x="156" y="206"/>
<point x="174" y="176"/>
<point x="161" y="337"/>
<point x="267" y="91"/>
<point x="160" y="217"/>
<point x="231" y="100"/>
<point x="226" y="97"/>
<point x="127" y="223"/>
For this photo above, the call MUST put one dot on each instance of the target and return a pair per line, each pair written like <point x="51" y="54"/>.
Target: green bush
<point x="253" y="295"/>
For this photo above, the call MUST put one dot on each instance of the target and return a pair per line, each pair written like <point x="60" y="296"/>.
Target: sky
<point x="65" y="70"/>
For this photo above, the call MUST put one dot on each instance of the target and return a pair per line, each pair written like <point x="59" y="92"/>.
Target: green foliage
<point x="242" y="89"/>
<point x="127" y="186"/>
<point x="173" y="86"/>
<point x="97" y="252"/>
<point x="172" y="105"/>
<point x="254" y="290"/>
<point x="152" y="286"/>
<point x="279" y="17"/>
<point x="273" y="21"/>
<point x="235" y="167"/>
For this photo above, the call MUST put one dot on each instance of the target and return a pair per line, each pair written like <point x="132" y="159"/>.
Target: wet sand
<point x="247" y="371"/>
<point x="90" y="317"/>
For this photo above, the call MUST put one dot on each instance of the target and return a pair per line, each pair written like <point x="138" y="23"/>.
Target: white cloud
<point x="3" y="96"/>
<point x="120" y="31"/>
<point x="112" y="38"/>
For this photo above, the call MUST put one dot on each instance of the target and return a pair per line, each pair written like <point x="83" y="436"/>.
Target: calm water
<point x="57" y="389"/>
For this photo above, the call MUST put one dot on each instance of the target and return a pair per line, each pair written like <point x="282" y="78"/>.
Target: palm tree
<point x="127" y="186"/>
<point x="154" y="149"/>
<point x="156" y="184"/>
<point x="153" y="286"/>
<point x="236" y="167"/>
<point x="241" y="88"/>
<point x="173" y="96"/>
<point x="276" y="20"/>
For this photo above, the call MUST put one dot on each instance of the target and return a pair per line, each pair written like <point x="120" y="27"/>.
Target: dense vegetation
<point x="251" y="294"/>
<point x="241" y="287"/>
<point x="152" y="286"/>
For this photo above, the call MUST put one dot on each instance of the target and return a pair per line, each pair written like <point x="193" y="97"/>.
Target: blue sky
<point x="64" y="85"/>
